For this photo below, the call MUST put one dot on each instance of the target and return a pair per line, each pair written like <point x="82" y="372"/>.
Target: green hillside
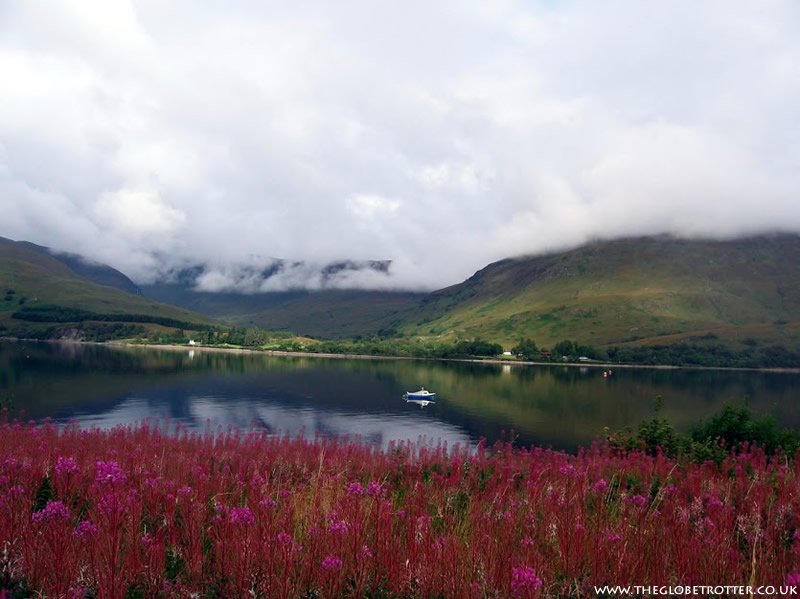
<point x="39" y="291"/>
<point x="334" y="313"/>
<point x="328" y="313"/>
<point x="636" y="291"/>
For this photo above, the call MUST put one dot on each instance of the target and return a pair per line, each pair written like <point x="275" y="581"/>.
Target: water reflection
<point x="558" y="406"/>
<point x="213" y="413"/>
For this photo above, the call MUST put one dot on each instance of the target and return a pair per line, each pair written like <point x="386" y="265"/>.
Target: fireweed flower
<point x="639" y="500"/>
<point x="15" y="491"/>
<point x="84" y="529"/>
<point x="267" y="503"/>
<point x="12" y="464"/>
<point x="284" y="538"/>
<point x="241" y="515"/>
<point x="337" y="527"/>
<point x="54" y="510"/>
<point x="601" y="485"/>
<point x="109" y="503"/>
<point x="375" y="489"/>
<point x="110" y="473"/>
<point x="355" y="490"/>
<point x="66" y="466"/>
<point x="524" y="580"/>
<point x="331" y="564"/>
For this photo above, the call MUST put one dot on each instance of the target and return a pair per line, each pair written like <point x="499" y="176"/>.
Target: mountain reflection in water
<point x="562" y="407"/>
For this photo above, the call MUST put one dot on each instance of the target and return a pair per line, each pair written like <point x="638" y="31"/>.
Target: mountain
<point x="40" y="290"/>
<point x="637" y="291"/>
<point x="102" y="274"/>
<point x="263" y="295"/>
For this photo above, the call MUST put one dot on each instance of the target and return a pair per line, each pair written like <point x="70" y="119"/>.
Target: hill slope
<point x="639" y="290"/>
<point x="33" y="282"/>
<point x="102" y="274"/>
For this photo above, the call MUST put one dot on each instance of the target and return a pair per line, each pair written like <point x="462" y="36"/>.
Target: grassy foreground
<point x="138" y="512"/>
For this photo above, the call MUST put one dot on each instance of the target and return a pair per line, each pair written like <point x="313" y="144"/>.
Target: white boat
<point x="422" y="395"/>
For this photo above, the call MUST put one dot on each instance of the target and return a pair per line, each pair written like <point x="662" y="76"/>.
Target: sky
<point x="439" y="135"/>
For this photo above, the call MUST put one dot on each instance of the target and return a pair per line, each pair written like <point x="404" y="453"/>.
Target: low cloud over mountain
<point x="272" y="275"/>
<point x="442" y="136"/>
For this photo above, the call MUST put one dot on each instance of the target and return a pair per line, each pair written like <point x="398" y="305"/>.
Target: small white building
<point x="192" y="342"/>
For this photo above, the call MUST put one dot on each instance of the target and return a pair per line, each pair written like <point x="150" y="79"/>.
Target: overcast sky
<point x="441" y="135"/>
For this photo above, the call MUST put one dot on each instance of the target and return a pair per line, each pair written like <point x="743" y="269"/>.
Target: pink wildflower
<point x="638" y="500"/>
<point x="66" y="466"/>
<point x="241" y="515"/>
<point x="524" y="580"/>
<point x="54" y="510"/>
<point x="110" y="473"/>
<point x="375" y="489"/>
<point x="355" y="490"/>
<point x="109" y="503"/>
<point x="337" y="527"/>
<point x="84" y="529"/>
<point x="15" y="491"/>
<point x="331" y="564"/>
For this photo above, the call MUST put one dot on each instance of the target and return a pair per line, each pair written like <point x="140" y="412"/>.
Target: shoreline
<point x="494" y="361"/>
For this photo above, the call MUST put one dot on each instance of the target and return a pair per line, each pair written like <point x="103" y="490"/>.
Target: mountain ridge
<point x="627" y="291"/>
<point x="102" y="274"/>
<point x="655" y="286"/>
<point x="41" y="292"/>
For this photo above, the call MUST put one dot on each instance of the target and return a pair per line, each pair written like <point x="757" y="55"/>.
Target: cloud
<point x="260" y="275"/>
<point x="442" y="136"/>
<point x="136" y="213"/>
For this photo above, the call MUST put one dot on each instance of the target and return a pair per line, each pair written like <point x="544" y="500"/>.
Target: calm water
<point x="558" y="406"/>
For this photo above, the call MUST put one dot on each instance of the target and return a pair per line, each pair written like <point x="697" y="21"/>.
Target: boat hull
<point x="419" y="396"/>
